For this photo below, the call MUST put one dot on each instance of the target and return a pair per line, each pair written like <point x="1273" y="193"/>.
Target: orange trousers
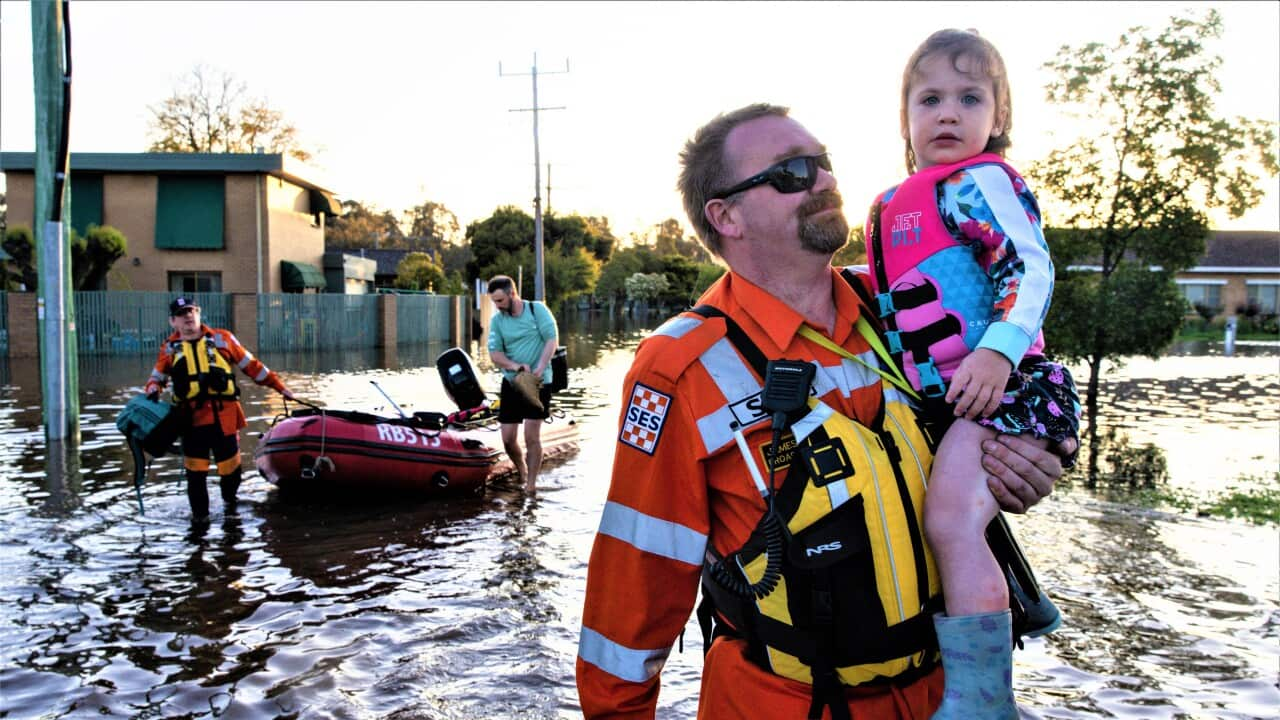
<point x="735" y="688"/>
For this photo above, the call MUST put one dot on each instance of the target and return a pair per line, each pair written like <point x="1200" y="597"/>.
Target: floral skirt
<point x="1039" y="400"/>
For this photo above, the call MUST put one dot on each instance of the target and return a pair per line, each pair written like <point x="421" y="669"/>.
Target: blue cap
<point x="180" y="305"/>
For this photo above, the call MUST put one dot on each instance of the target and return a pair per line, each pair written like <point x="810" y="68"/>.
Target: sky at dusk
<point x="403" y="102"/>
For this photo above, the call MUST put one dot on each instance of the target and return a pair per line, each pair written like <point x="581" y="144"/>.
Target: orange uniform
<point x="227" y="413"/>
<point x="680" y="486"/>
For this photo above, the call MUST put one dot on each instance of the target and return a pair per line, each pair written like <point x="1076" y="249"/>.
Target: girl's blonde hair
<point x="985" y="62"/>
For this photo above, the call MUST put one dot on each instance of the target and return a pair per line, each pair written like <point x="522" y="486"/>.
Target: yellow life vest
<point x="200" y="371"/>
<point x="858" y="586"/>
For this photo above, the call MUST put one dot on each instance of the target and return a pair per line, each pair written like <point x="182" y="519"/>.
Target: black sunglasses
<point x="792" y="175"/>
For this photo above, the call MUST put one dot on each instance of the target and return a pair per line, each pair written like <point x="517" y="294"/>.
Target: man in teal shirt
<point x="522" y="338"/>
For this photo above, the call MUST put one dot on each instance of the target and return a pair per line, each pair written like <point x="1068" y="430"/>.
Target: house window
<point x="86" y="202"/>
<point x="1199" y="293"/>
<point x="1264" y="295"/>
<point x="189" y="210"/>
<point x="195" y="282"/>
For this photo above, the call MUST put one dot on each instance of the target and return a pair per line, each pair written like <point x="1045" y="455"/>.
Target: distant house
<point x="1239" y="269"/>
<point x="195" y="222"/>
<point x="387" y="259"/>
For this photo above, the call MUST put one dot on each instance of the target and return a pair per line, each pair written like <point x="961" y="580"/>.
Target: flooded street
<point x="470" y="608"/>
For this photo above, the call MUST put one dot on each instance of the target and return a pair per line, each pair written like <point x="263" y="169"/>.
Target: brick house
<point x="194" y="222"/>
<point x="1239" y="268"/>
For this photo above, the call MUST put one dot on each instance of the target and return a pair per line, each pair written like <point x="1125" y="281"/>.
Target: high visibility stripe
<point x="811" y="421"/>
<point x="619" y="660"/>
<point x="858" y="375"/>
<point x="677" y="326"/>
<point x="197" y="464"/>
<point x="997" y="189"/>
<point x="653" y="535"/>
<point x="159" y="377"/>
<point x="730" y="373"/>
<point x="884" y="524"/>
<point x="262" y="375"/>
<point x="714" y="429"/>
<point x="911" y="448"/>
<point x="219" y="341"/>
<point x="226" y="466"/>
<point x="244" y="361"/>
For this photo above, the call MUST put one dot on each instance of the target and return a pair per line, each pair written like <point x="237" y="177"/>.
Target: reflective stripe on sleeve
<point x="262" y="375"/>
<point x="159" y="377"/>
<point x="1028" y="242"/>
<point x="678" y="326"/>
<point x="244" y="361"/>
<point x="619" y="660"/>
<point x="728" y="371"/>
<point x="653" y="535"/>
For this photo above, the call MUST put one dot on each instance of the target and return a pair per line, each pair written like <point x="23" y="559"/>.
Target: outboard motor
<point x="461" y="381"/>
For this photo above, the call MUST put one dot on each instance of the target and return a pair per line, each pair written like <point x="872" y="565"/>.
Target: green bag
<point x="155" y="425"/>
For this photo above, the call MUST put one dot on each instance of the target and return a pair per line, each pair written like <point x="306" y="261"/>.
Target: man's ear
<point x="721" y="216"/>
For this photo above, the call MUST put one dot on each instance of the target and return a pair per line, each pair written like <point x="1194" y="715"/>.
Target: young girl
<point x="963" y="281"/>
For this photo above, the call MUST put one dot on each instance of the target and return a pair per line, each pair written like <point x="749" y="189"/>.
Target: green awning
<point x="299" y="275"/>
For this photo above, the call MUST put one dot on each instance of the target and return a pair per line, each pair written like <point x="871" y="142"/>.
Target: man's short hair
<point x="704" y="170"/>
<point x="501" y="282"/>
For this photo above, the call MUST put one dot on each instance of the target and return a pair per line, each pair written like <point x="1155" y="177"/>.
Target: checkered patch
<point x="645" y="416"/>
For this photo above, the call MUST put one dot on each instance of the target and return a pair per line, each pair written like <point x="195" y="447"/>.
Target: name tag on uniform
<point x="646" y="414"/>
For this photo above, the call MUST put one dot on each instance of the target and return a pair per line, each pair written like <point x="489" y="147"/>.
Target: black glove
<point x="154" y="396"/>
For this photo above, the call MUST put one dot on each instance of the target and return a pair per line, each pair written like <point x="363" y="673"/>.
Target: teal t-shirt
<point x="521" y="338"/>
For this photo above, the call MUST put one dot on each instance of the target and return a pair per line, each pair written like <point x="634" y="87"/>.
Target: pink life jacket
<point x="940" y="299"/>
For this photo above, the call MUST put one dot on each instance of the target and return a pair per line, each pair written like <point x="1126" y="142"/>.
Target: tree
<point x="19" y="243"/>
<point x="417" y="271"/>
<point x="668" y="238"/>
<point x="622" y="265"/>
<point x="503" y="244"/>
<point x="362" y="227"/>
<point x="1134" y="188"/>
<point x="854" y="251"/>
<point x="208" y="113"/>
<point x="91" y="256"/>
<point x="432" y="227"/>
<point x="643" y="287"/>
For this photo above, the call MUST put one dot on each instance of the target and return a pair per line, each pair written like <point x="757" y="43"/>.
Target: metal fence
<point x="288" y="321"/>
<point x="422" y="318"/>
<point x="134" y="322"/>
<point x="4" y="322"/>
<point x="130" y="322"/>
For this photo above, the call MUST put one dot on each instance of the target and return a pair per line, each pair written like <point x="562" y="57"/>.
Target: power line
<point x="539" y="286"/>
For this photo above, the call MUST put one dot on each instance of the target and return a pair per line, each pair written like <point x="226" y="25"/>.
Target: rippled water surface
<point x="470" y="608"/>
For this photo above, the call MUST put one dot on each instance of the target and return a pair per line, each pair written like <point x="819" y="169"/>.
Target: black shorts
<point x="513" y="408"/>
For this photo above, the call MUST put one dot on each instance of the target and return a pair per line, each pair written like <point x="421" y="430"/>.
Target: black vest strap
<point x="737" y="336"/>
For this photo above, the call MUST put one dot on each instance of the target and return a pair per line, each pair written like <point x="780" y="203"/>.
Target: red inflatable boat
<point x="312" y="452"/>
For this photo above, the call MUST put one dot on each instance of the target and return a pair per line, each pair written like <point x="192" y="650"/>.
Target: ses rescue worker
<point x="803" y="525"/>
<point x="200" y="361"/>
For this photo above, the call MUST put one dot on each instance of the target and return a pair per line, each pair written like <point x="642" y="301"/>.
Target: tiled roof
<point x="387" y="259"/>
<point x="1241" y="249"/>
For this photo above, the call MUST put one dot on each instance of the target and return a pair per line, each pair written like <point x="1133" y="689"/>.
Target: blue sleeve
<point x="999" y="217"/>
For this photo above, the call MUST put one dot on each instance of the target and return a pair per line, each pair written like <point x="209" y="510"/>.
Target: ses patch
<point x="646" y="413"/>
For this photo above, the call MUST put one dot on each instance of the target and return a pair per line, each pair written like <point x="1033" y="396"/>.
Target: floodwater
<point x="470" y="608"/>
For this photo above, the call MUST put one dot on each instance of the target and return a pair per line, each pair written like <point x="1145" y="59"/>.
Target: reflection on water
<point x="470" y="607"/>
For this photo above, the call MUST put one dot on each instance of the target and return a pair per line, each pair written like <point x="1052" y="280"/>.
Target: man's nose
<point x="825" y="182"/>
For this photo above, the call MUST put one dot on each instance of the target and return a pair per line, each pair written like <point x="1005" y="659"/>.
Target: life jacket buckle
<point x="885" y="302"/>
<point x="895" y="341"/>
<point x="931" y="383"/>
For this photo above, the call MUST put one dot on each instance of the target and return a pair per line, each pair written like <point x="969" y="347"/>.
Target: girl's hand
<point x="978" y="384"/>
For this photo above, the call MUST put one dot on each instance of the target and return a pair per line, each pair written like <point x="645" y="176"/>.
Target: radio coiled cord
<point x="734" y="580"/>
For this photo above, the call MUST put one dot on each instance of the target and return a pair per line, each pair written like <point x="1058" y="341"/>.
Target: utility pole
<point x="548" y="188"/>
<point x="51" y="63"/>
<point x="539" y="285"/>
